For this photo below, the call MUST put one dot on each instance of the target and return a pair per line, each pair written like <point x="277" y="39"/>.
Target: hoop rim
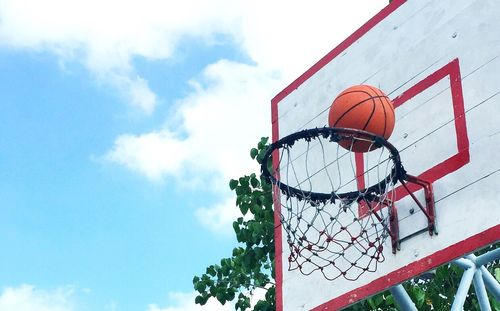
<point x="335" y="134"/>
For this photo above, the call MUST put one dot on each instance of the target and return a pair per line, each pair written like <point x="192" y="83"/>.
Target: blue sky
<point x="121" y="124"/>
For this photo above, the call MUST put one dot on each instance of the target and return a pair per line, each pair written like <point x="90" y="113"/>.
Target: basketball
<point x="362" y="107"/>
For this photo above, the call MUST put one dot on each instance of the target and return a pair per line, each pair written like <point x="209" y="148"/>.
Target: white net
<point x="333" y="222"/>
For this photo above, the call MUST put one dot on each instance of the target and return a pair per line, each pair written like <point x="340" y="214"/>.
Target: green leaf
<point x="420" y="296"/>
<point x="255" y="208"/>
<point x="372" y="303"/>
<point x="232" y="184"/>
<point x="243" y="303"/>
<point x="441" y="273"/>
<point x="263" y="142"/>
<point x="237" y="251"/>
<point x="221" y="297"/>
<point x="201" y="300"/>
<point x="244" y="208"/>
<point x="266" y="186"/>
<point x="379" y="300"/>
<point x="236" y="227"/>
<point x="253" y="153"/>
<point x="495" y="304"/>
<point x="244" y="181"/>
<point x="389" y="300"/>
<point x="230" y="294"/>
<point x="225" y="270"/>
<point x="254" y="182"/>
<point x="240" y="191"/>
<point x="211" y="271"/>
<point x="200" y="286"/>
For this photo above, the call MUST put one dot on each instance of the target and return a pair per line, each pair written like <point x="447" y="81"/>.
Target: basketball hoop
<point x="339" y="227"/>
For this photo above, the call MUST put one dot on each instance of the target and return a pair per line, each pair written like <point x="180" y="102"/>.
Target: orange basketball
<point x="362" y="107"/>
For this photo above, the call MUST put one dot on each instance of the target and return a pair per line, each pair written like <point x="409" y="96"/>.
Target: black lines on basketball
<point x="362" y="107"/>
<point x="371" y="114"/>
<point x="385" y="120"/>
<point x="383" y="107"/>
<point x="350" y="109"/>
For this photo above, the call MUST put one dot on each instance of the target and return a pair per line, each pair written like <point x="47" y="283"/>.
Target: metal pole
<point x="491" y="283"/>
<point x="488" y="257"/>
<point x="463" y="288"/>
<point x="403" y="301"/>
<point x="464" y="263"/>
<point x="482" y="296"/>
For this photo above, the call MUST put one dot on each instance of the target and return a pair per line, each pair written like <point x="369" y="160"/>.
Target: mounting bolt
<point x="412" y="210"/>
<point x="454" y="35"/>
<point x="415" y="253"/>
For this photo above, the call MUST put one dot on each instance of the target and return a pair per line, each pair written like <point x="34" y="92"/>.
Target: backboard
<point x="439" y="62"/>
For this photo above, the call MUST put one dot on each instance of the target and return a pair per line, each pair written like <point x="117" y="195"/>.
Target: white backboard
<point x="439" y="61"/>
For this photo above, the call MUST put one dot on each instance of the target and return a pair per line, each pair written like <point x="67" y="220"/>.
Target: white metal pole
<point x="488" y="257"/>
<point x="403" y="301"/>
<point x="463" y="288"/>
<point x="482" y="296"/>
<point x="491" y="283"/>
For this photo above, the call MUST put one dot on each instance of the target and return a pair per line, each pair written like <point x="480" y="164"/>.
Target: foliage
<point x="252" y="264"/>
<point x="436" y="292"/>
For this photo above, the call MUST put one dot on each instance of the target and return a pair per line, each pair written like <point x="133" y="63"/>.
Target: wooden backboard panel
<point x="439" y="62"/>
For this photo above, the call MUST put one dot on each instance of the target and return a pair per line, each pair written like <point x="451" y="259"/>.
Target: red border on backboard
<point x="275" y="127"/>
<point x="453" y="163"/>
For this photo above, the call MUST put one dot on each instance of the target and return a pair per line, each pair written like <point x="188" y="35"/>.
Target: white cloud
<point x="218" y="218"/>
<point x="290" y="36"/>
<point x="185" y="302"/>
<point x="29" y="298"/>
<point x="220" y="121"/>
<point x="228" y="110"/>
<point x="105" y="35"/>
<point x="151" y="154"/>
<point x="135" y="90"/>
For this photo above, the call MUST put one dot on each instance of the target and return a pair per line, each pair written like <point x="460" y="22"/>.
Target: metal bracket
<point x="428" y="210"/>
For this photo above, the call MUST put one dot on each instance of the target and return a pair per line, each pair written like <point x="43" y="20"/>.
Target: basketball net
<point x="332" y="224"/>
